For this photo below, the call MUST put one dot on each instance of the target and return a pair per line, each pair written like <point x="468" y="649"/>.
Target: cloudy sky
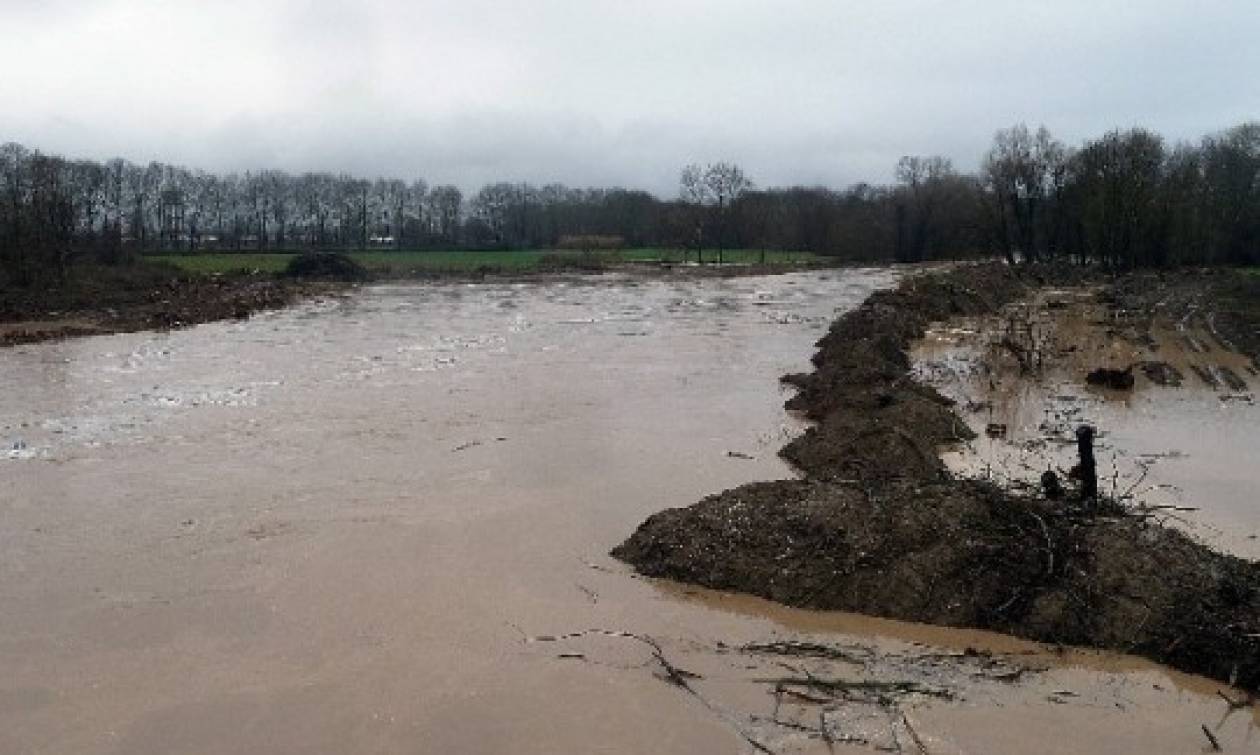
<point x="602" y="92"/>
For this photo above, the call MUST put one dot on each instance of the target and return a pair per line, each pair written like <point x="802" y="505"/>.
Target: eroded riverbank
<point x="98" y="300"/>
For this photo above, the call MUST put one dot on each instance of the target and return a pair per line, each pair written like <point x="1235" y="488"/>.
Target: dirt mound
<point x="1226" y="303"/>
<point x="874" y="422"/>
<point x="325" y="266"/>
<point x="1109" y="377"/>
<point x="965" y="553"/>
<point x="96" y="299"/>
<point x="879" y="527"/>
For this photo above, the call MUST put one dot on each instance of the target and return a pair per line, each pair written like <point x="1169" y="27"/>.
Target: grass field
<point x="404" y="262"/>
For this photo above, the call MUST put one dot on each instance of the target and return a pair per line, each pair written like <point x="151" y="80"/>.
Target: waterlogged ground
<point x="377" y="524"/>
<point x="1186" y="452"/>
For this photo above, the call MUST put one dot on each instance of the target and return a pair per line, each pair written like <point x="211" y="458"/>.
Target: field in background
<point x="403" y="262"/>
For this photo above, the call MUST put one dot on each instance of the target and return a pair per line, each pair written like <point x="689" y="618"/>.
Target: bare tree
<point x="923" y="182"/>
<point x="726" y="182"/>
<point x="711" y="191"/>
<point x="417" y="197"/>
<point x="1025" y="175"/>
<point x="445" y="208"/>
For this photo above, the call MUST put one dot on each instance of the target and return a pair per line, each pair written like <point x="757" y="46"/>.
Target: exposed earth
<point x="95" y="300"/>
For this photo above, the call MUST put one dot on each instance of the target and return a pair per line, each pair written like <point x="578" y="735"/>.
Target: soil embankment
<point x="878" y="525"/>
<point x="1222" y="303"/>
<point x="98" y="300"/>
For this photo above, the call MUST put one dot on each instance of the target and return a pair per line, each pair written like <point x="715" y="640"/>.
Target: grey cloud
<point x="812" y="91"/>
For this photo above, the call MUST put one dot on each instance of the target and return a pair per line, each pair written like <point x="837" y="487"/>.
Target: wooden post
<point x="1088" y="468"/>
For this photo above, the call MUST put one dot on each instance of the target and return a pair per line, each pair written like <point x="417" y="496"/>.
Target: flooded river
<point x="378" y="524"/>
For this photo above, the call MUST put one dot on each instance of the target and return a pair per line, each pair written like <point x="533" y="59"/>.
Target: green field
<point x="420" y="262"/>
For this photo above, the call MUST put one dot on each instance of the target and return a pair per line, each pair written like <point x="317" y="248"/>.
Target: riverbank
<point x="97" y="300"/>
<point x="183" y="290"/>
<point x="879" y="526"/>
<point x="416" y="264"/>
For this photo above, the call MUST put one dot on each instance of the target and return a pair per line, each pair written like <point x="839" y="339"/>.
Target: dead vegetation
<point x="830" y="693"/>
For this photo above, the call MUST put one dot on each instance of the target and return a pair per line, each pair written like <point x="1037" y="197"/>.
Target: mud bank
<point x="1224" y="304"/>
<point x="95" y="301"/>
<point x="879" y="526"/>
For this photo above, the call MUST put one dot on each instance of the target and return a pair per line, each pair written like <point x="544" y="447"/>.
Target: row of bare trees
<point x="1126" y="199"/>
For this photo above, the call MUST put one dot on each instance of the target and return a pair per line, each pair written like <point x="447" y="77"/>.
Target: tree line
<point x="1126" y="199"/>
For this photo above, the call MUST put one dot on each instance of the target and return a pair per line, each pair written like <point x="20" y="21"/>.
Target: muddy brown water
<point x="378" y="524"/>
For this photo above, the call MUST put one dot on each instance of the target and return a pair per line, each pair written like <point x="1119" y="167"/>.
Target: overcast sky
<point x="625" y="92"/>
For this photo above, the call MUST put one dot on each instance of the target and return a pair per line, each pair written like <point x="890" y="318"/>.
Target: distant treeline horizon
<point x="1124" y="200"/>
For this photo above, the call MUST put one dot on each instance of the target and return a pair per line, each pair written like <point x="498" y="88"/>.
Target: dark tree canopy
<point x="1126" y="199"/>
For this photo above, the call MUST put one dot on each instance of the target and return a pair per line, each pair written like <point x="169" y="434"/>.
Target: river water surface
<point x="356" y="526"/>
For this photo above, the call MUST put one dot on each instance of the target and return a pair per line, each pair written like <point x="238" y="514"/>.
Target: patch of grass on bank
<point x="420" y="262"/>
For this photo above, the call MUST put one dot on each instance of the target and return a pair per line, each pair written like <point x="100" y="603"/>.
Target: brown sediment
<point x="880" y="527"/>
<point x="94" y="301"/>
<point x="1223" y="304"/>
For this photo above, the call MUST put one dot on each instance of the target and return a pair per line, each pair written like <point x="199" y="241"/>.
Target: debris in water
<point x="1107" y="377"/>
<point x="995" y="430"/>
<point x="1231" y="378"/>
<point x="1162" y="373"/>
<point x="1051" y="486"/>
<point x="1216" y="745"/>
<point x="1206" y="376"/>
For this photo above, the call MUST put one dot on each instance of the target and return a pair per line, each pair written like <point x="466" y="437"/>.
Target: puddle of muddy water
<point x="348" y="526"/>
<point x="1189" y="449"/>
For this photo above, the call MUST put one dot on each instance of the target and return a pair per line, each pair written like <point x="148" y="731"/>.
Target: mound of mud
<point x="96" y="299"/>
<point x="1109" y="377"/>
<point x="879" y="527"/>
<point x="325" y="266"/>
<point x="1226" y="303"/>
<point x="964" y="553"/>
<point x="873" y="421"/>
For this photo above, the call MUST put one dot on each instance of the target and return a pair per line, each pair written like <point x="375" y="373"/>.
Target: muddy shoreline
<point x="100" y="301"/>
<point x="879" y="526"/>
